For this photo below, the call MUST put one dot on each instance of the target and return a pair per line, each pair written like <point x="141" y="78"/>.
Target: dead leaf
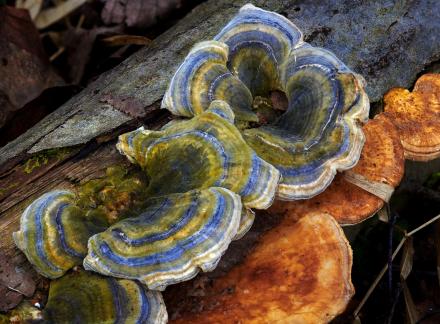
<point x="79" y="44"/>
<point x="383" y="214"/>
<point x="406" y="262"/>
<point x="49" y="16"/>
<point x="34" y="6"/>
<point x="119" y="40"/>
<point x="411" y="311"/>
<point x="137" y="13"/>
<point x="24" y="65"/>
<point x="13" y="285"/>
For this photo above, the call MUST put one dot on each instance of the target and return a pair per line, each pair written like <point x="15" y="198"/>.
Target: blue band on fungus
<point x="53" y="233"/>
<point x="63" y="241"/>
<point x="85" y="297"/>
<point x="152" y="218"/>
<point x="175" y="252"/>
<point x="41" y="208"/>
<point x="203" y="152"/>
<point x="250" y="15"/>
<point x="205" y="174"/>
<point x="119" y="297"/>
<point x="306" y="143"/>
<point x="171" y="243"/>
<point x="204" y="77"/>
<point x="194" y="64"/>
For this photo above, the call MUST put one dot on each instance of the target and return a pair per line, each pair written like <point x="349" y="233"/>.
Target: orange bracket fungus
<point x="299" y="272"/>
<point x="417" y="117"/>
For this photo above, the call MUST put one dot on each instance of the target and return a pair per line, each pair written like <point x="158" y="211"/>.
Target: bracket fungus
<point x="54" y="233"/>
<point x="299" y="272"/>
<point x="205" y="151"/>
<point x="205" y="174"/>
<point x="259" y="52"/>
<point x="171" y="240"/>
<point x="359" y="193"/>
<point x="84" y="297"/>
<point x="416" y="114"/>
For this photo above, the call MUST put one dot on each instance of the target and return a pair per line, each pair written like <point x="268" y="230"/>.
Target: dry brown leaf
<point x="34" y="6"/>
<point x="411" y="310"/>
<point x="406" y="262"/>
<point x="120" y="40"/>
<point x="79" y="44"/>
<point x="137" y="13"/>
<point x="13" y="285"/>
<point x="383" y="214"/>
<point x="49" y="16"/>
<point x="24" y="67"/>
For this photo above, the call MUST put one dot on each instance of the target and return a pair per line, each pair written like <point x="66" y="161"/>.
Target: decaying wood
<point x="46" y="171"/>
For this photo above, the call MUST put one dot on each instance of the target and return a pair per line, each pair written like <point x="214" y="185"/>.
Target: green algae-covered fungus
<point x="54" y="233"/>
<point x="174" y="237"/>
<point x="259" y="52"/>
<point x="84" y="297"/>
<point x="199" y="177"/>
<point x="205" y="151"/>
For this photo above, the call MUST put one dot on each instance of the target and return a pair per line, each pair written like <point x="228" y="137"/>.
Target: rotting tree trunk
<point x="389" y="44"/>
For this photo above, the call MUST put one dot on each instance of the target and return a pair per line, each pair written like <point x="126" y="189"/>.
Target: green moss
<point x="42" y="158"/>
<point x="24" y="313"/>
<point x="4" y="319"/>
<point x="119" y="194"/>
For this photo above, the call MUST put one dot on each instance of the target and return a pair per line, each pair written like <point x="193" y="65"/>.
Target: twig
<point x="423" y="225"/>
<point x="57" y="53"/>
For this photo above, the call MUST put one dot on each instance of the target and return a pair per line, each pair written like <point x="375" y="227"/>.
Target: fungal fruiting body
<point x="319" y="133"/>
<point x="204" y="176"/>
<point x="360" y="192"/>
<point x="298" y="272"/>
<point x="416" y="115"/>
<point x="85" y="297"/>
<point x="171" y="240"/>
<point x="205" y="151"/>
<point x="54" y="233"/>
<point x="204" y="77"/>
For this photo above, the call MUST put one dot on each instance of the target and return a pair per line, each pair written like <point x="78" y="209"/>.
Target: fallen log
<point x="388" y="45"/>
